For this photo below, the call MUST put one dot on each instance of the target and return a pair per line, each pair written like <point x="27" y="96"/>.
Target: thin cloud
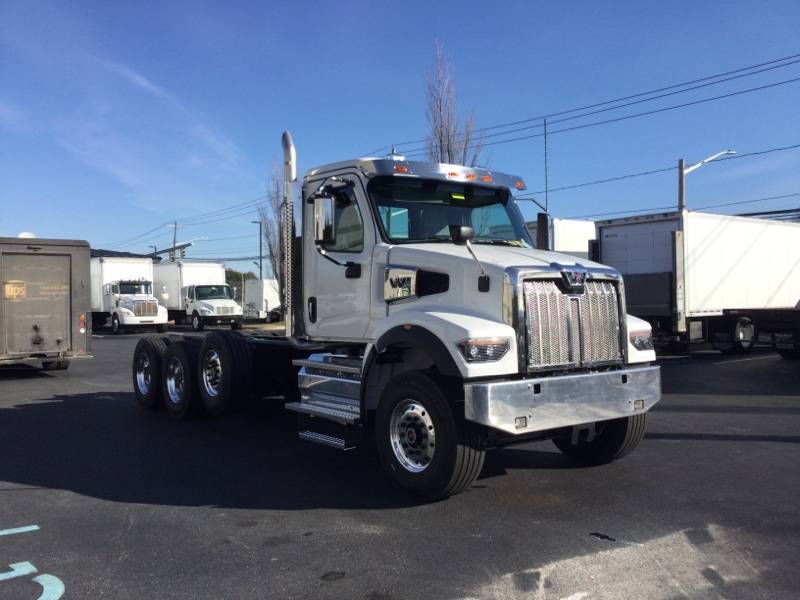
<point x="11" y="117"/>
<point x="143" y="83"/>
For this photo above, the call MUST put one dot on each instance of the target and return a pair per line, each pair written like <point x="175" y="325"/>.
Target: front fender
<point x="449" y="329"/>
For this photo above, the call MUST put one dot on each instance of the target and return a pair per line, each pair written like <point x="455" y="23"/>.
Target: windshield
<point x="135" y="287"/>
<point x="421" y="210"/>
<point x="213" y="292"/>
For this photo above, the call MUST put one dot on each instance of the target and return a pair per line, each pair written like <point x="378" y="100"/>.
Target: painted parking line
<point x="728" y="362"/>
<point x="16" y="530"/>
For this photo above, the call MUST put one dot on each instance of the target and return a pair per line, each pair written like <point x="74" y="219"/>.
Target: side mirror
<point x="324" y="225"/>
<point x="106" y="290"/>
<point x="461" y="234"/>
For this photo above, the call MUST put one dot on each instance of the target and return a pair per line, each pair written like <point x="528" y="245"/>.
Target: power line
<point x="643" y="114"/>
<point x="602" y="110"/>
<point x="612" y="101"/>
<point x="654" y="171"/>
<point x="672" y="207"/>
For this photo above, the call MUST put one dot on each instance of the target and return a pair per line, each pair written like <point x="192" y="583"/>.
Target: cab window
<point x="349" y="224"/>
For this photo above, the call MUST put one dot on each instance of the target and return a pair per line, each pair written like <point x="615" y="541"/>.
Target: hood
<point x="494" y="257"/>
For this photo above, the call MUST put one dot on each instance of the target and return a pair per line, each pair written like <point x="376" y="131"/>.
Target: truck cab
<point x="438" y="319"/>
<point x="211" y="304"/>
<point x="422" y="322"/>
<point x="131" y="303"/>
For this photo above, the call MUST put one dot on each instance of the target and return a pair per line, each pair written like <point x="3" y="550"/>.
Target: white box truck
<point x="196" y="292"/>
<point x="122" y="290"/>
<point x="568" y="236"/>
<point x="260" y="297"/>
<point x="422" y="322"/>
<point x="701" y="277"/>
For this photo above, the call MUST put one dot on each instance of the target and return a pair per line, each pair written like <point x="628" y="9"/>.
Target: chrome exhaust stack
<point x="287" y="239"/>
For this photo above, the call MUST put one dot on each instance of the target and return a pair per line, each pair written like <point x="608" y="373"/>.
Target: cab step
<point x="330" y="388"/>
<point x="325" y="440"/>
<point x="346" y="413"/>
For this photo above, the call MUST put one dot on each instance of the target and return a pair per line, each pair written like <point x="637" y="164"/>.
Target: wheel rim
<point x="175" y="381"/>
<point x="143" y="373"/>
<point x="744" y="332"/>
<point x="115" y="324"/>
<point x="412" y="436"/>
<point x="212" y="372"/>
<point x="196" y="322"/>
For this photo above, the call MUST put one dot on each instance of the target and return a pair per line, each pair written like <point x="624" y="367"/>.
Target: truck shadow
<point x="11" y="373"/>
<point x="102" y="445"/>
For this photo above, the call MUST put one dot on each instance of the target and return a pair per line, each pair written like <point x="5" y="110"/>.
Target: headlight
<point x="641" y="340"/>
<point x="125" y="311"/>
<point x="484" y="349"/>
<point x="206" y="310"/>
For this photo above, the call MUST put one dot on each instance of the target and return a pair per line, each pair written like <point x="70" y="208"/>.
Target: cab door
<point x="337" y="296"/>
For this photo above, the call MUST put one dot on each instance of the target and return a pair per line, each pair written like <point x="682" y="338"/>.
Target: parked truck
<point x="568" y="236"/>
<point x="260" y="297"/>
<point x="44" y="308"/>
<point x="702" y="278"/>
<point x="195" y="292"/>
<point x="122" y="291"/>
<point x="421" y="322"/>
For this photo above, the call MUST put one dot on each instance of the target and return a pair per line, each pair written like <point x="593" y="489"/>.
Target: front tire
<point x="116" y="328"/>
<point x="161" y="328"/>
<point x="197" y="322"/>
<point x="615" y="439"/>
<point x="743" y="334"/>
<point x="423" y="446"/>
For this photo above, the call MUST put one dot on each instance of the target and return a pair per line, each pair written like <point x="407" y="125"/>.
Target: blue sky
<point x="116" y="118"/>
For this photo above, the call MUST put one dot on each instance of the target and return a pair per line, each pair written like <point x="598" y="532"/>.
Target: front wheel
<point x="424" y="447"/>
<point x="116" y="328"/>
<point x="197" y="322"/>
<point x="613" y="439"/>
<point x="236" y="325"/>
<point x="161" y="328"/>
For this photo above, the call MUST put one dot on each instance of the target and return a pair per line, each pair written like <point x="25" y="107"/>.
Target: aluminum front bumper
<point x="528" y="405"/>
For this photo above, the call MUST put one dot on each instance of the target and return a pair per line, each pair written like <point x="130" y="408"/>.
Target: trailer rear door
<point x="36" y="303"/>
<point x="644" y="253"/>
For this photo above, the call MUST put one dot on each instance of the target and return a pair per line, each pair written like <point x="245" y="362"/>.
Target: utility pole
<point x="546" y="181"/>
<point x="260" y="251"/>
<point x="155" y="249"/>
<point x="174" y="239"/>
<point x="681" y="184"/>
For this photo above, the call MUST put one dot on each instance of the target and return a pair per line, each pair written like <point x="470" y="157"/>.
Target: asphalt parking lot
<point x="109" y="501"/>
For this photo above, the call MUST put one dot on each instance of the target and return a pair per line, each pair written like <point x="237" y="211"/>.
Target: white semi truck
<point x="122" y="291"/>
<point x="421" y="322"/>
<point x="195" y="292"/>
<point x="260" y="296"/>
<point x="703" y="278"/>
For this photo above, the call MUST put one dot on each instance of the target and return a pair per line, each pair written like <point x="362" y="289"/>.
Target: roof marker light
<point x="519" y="184"/>
<point x="453" y="175"/>
<point x="400" y="169"/>
<point x="471" y="177"/>
<point x="486" y="179"/>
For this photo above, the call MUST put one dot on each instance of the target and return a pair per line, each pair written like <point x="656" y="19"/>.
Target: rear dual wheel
<point x="225" y="371"/>
<point x="179" y="387"/>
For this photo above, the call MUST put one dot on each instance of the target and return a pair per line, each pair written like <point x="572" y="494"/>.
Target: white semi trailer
<point x="122" y="290"/>
<point x="421" y="321"/>
<point x="260" y="297"/>
<point x="195" y="292"/>
<point x="708" y="278"/>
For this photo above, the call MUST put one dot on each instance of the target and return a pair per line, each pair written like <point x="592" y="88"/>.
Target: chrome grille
<point x="570" y="330"/>
<point x="223" y="310"/>
<point x="145" y="309"/>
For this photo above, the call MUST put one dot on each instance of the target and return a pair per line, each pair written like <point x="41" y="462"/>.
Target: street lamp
<point x="683" y="171"/>
<point x="260" y="254"/>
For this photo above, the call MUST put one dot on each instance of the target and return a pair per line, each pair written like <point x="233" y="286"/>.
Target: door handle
<point x="352" y="270"/>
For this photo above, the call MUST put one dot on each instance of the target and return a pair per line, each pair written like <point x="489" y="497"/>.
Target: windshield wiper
<point x="514" y="243"/>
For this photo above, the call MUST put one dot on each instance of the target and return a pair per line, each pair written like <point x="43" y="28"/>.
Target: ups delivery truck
<point x="44" y="305"/>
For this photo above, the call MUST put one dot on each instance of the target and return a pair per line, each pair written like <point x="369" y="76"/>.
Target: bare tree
<point x="271" y="227"/>
<point x="448" y="141"/>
